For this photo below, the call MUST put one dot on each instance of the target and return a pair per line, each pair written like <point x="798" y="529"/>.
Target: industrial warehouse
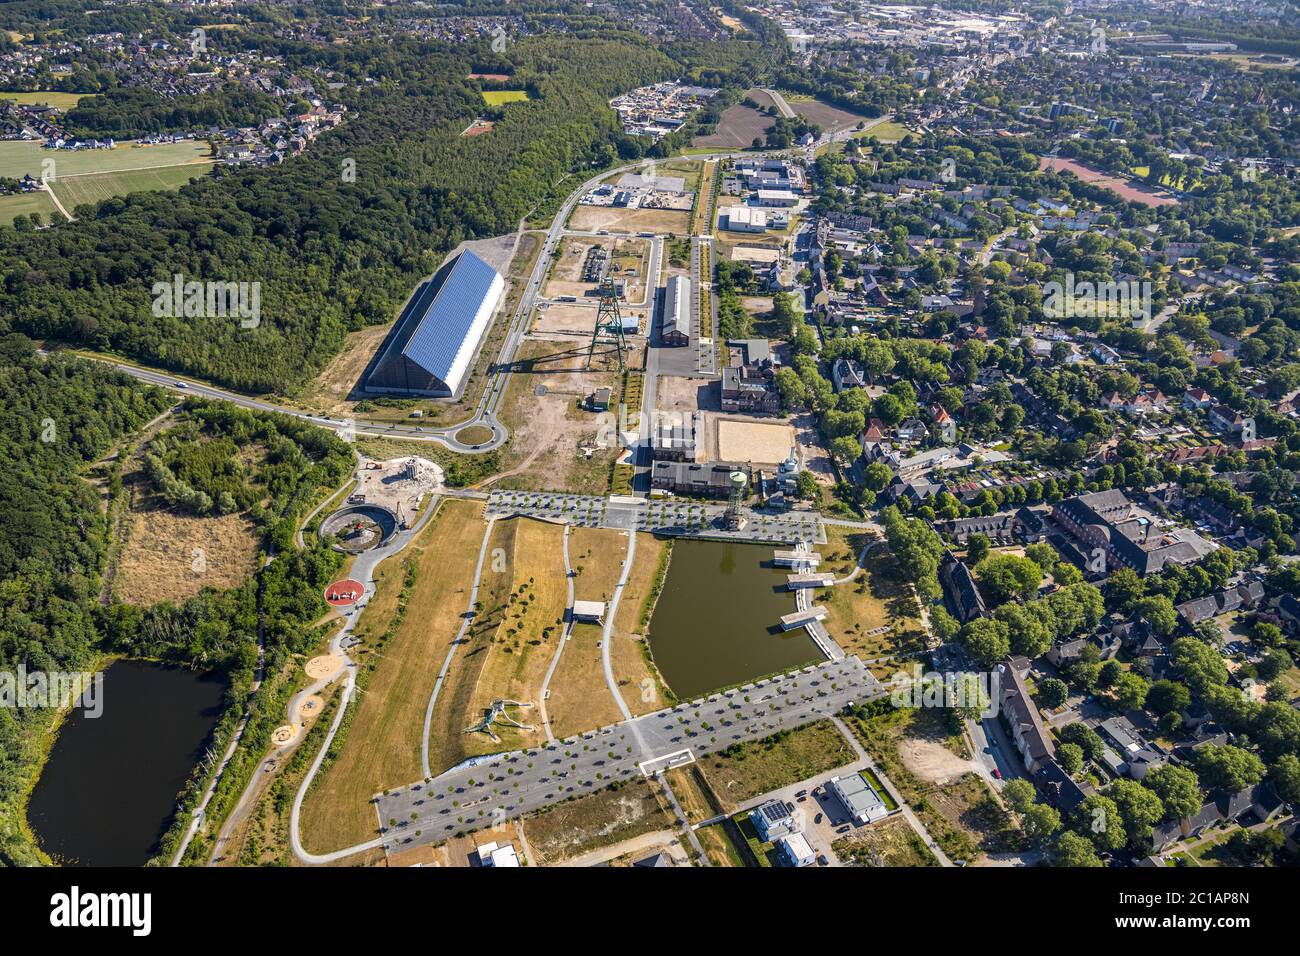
<point x="432" y="347"/>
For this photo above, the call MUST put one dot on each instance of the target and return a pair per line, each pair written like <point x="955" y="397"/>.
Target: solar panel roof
<point x="445" y="324"/>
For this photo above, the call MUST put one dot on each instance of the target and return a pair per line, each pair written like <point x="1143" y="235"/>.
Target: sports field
<point x="501" y="97"/>
<point x="63" y="101"/>
<point x="18" y="159"/>
<point x="92" y="188"/>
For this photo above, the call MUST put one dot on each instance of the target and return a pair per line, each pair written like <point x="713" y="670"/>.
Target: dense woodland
<point x="331" y="256"/>
<point x="62" y="415"/>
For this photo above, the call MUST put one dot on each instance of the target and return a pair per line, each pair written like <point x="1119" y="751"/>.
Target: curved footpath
<point x="564" y="638"/>
<point x="466" y="620"/>
<point x="363" y="570"/>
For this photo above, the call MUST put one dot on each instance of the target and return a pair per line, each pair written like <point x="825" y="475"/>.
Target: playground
<point x="344" y="593"/>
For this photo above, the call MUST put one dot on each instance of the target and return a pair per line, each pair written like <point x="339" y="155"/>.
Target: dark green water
<point x="717" y="621"/>
<point x="108" y="792"/>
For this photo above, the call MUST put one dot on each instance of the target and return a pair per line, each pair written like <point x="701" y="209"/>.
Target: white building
<point x="746" y="219"/>
<point x="795" y="850"/>
<point x="862" y="803"/>
<point x="497" y="855"/>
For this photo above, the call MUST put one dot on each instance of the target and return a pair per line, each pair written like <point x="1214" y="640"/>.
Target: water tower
<point x="736" y="500"/>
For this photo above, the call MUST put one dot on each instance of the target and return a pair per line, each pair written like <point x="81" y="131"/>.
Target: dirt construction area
<point x="596" y="218"/>
<point x="553" y="438"/>
<point x="931" y="761"/>
<point x="628" y="260"/>
<point x="763" y="443"/>
<point x="398" y="482"/>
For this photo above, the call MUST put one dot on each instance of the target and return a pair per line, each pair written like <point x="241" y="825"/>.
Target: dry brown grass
<point x="329" y="392"/>
<point x="382" y="746"/>
<point x="580" y="699"/>
<point x="517" y="662"/>
<point x="591" y="822"/>
<point x="878" y="597"/>
<point x="172" y="556"/>
<point x="638" y="679"/>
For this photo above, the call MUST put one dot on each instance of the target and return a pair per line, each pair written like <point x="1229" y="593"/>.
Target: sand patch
<point x="932" y="761"/>
<point x="321" y="667"/>
<point x="765" y="443"/>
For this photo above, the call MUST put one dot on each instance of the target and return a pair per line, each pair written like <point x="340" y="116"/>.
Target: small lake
<point x="108" y="791"/>
<point x="717" y="621"/>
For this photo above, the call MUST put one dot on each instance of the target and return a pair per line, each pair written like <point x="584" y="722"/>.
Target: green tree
<point x="1228" y="768"/>
<point x="986" y="639"/>
<point x="1005" y="576"/>
<point x="1073" y="850"/>
<point x="1177" y="787"/>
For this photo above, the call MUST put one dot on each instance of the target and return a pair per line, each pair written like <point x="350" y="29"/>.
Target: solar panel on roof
<point x="443" y="328"/>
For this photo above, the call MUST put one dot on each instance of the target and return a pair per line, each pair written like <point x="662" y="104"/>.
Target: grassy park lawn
<point x="63" y="101"/>
<point x="764" y="853"/>
<point x="877" y="598"/>
<point x="744" y="771"/>
<point x="381" y="749"/>
<point x="886" y="132"/>
<point x="530" y="628"/>
<point x="18" y="158"/>
<point x="639" y="681"/>
<point x="501" y="97"/>
<point x="593" y="821"/>
<point x="580" y="698"/>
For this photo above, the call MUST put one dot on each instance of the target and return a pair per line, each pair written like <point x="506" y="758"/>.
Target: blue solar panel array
<point x="443" y="328"/>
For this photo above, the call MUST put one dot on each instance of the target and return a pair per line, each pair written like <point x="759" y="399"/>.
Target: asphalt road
<point x="510" y="785"/>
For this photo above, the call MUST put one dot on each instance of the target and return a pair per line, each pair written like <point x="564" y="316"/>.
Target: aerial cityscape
<point x="650" y="434"/>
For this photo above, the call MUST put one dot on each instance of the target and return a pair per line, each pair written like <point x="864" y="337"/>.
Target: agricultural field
<point x="63" y="101"/>
<point x="18" y="159"/>
<point x="828" y="117"/>
<point x="89" y="188"/>
<point x="737" y="129"/>
<point x="24" y="204"/>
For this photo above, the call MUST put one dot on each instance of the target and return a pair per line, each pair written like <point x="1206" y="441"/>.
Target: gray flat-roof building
<point x="677" y="311"/>
<point x="862" y="803"/>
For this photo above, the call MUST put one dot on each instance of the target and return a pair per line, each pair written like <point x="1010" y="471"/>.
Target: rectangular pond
<point x="717" y="620"/>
